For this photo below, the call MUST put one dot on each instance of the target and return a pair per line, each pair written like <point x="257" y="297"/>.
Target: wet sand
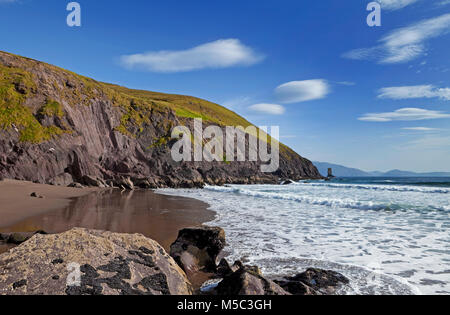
<point x="17" y="204"/>
<point x="156" y="216"/>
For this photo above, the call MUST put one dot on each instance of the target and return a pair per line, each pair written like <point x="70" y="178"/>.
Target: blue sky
<point x="376" y="98"/>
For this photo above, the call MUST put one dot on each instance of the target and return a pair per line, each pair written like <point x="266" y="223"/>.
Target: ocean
<point x="387" y="235"/>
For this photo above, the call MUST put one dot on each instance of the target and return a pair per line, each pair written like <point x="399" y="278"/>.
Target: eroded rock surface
<point x="110" y="264"/>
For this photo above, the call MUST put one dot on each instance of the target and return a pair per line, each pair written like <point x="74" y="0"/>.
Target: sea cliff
<point x="57" y="127"/>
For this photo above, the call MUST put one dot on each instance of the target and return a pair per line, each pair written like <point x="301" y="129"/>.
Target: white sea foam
<point x="425" y="190"/>
<point x="386" y="239"/>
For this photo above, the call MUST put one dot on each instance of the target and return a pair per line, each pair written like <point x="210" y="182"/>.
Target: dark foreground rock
<point x="197" y="249"/>
<point x="248" y="281"/>
<point x="239" y="279"/>
<point x="109" y="263"/>
<point x="314" y="282"/>
<point x="225" y="269"/>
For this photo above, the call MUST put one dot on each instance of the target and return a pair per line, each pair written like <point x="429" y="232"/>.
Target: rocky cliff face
<point x="57" y="127"/>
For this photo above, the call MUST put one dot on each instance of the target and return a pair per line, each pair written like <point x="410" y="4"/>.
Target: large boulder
<point x="248" y="281"/>
<point x="108" y="264"/>
<point x="197" y="249"/>
<point x="314" y="282"/>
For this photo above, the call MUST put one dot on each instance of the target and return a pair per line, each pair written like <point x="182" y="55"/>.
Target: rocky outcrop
<point x="197" y="249"/>
<point x="314" y="282"/>
<point x="66" y="128"/>
<point x="240" y="279"/>
<point x="109" y="264"/>
<point x="248" y="281"/>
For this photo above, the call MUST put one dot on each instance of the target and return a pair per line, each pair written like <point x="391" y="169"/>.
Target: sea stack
<point x="330" y="173"/>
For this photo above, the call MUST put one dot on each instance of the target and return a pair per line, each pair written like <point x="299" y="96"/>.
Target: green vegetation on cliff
<point x="52" y="109"/>
<point x="15" y="85"/>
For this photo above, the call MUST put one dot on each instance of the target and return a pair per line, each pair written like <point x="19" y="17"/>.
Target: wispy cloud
<point x="272" y="109"/>
<point x="404" y="44"/>
<point x="420" y="129"/>
<point x="404" y="114"/>
<point x="222" y="53"/>
<point x="302" y="91"/>
<point x="414" y="91"/>
<point x="347" y="83"/>
<point x="395" y="4"/>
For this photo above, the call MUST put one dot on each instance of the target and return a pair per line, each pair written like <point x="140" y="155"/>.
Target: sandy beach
<point x="16" y="203"/>
<point x="156" y="216"/>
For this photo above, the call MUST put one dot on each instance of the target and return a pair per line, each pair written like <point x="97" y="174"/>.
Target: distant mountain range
<point x="343" y="171"/>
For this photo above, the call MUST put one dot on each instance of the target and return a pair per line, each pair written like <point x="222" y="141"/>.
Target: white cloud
<point x="347" y="83"/>
<point x="302" y="91"/>
<point x="404" y="44"/>
<point x="222" y="53"/>
<point x="404" y="114"/>
<point x="415" y="91"/>
<point x="420" y="129"/>
<point x="395" y="4"/>
<point x="273" y="109"/>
